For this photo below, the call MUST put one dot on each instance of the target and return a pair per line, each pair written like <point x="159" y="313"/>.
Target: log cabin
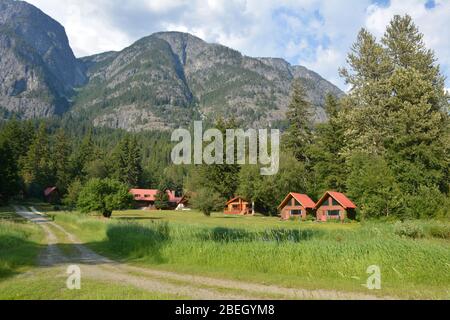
<point x="335" y="206"/>
<point x="238" y="206"/>
<point x="51" y="195"/>
<point x="296" y="205"/>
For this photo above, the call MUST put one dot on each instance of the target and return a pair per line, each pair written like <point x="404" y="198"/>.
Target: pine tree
<point x="37" y="171"/>
<point x="326" y="153"/>
<point x="85" y="154"/>
<point x="299" y="135"/>
<point x="60" y="160"/>
<point x="127" y="162"/>
<point x="401" y="113"/>
<point x="368" y="76"/>
<point x="9" y="177"/>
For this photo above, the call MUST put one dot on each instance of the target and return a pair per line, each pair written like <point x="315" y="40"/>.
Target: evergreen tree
<point x="9" y="178"/>
<point x="127" y="162"/>
<point x="219" y="178"/>
<point x="61" y="162"/>
<point x="85" y="153"/>
<point x="162" y="200"/>
<point x="401" y="113"/>
<point x="328" y="163"/>
<point x="37" y="171"/>
<point x="368" y="76"/>
<point x="299" y="135"/>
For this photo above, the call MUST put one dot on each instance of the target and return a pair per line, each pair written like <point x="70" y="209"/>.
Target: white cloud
<point x="314" y="33"/>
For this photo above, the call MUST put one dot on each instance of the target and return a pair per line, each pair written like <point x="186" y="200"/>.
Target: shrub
<point x="207" y="201"/>
<point x="104" y="196"/>
<point x="409" y="229"/>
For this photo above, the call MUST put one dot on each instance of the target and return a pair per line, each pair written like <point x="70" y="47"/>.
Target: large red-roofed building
<point x="145" y="198"/>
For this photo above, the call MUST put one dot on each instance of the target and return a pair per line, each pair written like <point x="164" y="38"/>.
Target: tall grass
<point x="19" y="243"/>
<point x="306" y="257"/>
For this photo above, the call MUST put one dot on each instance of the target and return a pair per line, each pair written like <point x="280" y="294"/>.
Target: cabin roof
<point x="345" y="202"/>
<point x="48" y="191"/>
<point x="150" y="195"/>
<point x="236" y="199"/>
<point x="303" y="199"/>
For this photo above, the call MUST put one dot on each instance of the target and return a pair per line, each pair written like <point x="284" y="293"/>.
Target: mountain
<point x="38" y="70"/>
<point x="169" y="78"/>
<point x="159" y="82"/>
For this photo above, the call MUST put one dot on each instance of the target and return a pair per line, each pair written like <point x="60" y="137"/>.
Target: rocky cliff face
<point x="168" y="78"/>
<point x="38" y="70"/>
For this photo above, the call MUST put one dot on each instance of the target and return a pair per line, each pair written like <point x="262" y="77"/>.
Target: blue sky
<point x="313" y="33"/>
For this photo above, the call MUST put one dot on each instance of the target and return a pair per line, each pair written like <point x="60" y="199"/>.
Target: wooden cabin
<point x="145" y="198"/>
<point x="51" y="195"/>
<point x="238" y="206"/>
<point x="296" y="205"/>
<point x="335" y="206"/>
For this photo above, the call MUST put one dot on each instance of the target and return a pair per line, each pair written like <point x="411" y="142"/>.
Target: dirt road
<point x="97" y="267"/>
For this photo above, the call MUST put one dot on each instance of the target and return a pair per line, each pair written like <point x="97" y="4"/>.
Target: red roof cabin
<point x="145" y="198"/>
<point x="238" y="206"/>
<point x="335" y="206"/>
<point x="51" y="195"/>
<point x="296" y="205"/>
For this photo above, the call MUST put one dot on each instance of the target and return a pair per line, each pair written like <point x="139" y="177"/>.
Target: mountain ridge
<point x="161" y="81"/>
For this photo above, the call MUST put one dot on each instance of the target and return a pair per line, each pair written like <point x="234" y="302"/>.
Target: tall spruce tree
<point x="299" y="134"/>
<point x="9" y="177"/>
<point x="398" y="109"/>
<point x="326" y="153"/>
<point x="127" y="162"/>
<point x="61" y="160"/>
<point x="37" y="170"/>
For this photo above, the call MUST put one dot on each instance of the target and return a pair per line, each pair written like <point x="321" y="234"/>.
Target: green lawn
<point x="267" y="250"/>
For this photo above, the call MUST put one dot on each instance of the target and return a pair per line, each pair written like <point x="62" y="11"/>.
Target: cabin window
<point x="334" y="213"/>
<point x="334" y="202"/>
<point x="296" y="212"/>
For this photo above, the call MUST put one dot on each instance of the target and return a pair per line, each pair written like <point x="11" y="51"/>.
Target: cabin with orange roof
<point x="238" y="206"/>
<point x="296" y="205"/>
<point x="335" y="206"/>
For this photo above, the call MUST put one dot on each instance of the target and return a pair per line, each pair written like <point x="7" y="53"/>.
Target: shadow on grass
<point x="16" y="253"/>
<point x="133" y="241"/>
<point x="136" y="218"/>
<point x="221" y="234"/>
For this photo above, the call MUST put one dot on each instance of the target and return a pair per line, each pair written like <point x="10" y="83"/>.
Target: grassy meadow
<point x="414" y="257"/>
<point x="20" y="243"/>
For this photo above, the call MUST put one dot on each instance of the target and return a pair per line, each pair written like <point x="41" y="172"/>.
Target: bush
<point x="442" y="232"/>
<point x="207" y="201"/>
<point x="409" y="229"/>
<point x="104" y="196"/>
